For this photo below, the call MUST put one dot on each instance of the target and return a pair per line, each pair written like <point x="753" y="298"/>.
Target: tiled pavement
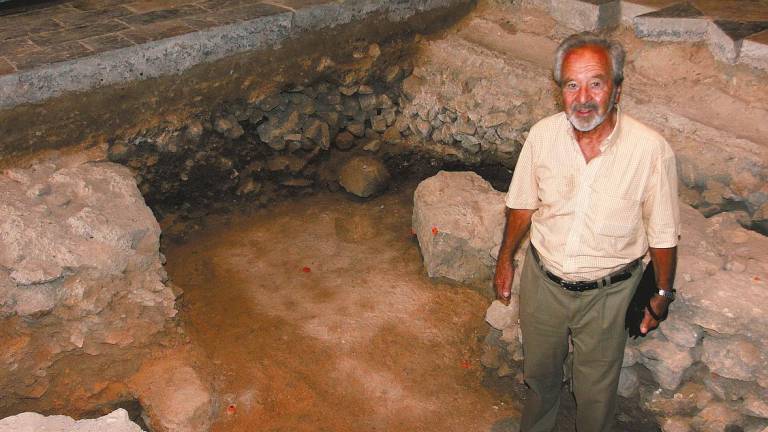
<point x="79" y="28"/>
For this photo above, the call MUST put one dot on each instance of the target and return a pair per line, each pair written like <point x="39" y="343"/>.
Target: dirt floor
<point x="318" y="316"/>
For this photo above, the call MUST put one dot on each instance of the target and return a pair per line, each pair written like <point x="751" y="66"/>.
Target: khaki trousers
<point x="595" y="321"/>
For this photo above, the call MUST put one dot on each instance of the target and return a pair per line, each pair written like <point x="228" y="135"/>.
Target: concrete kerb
<point x="167" y="56"/>
<point x="176" y="54"/>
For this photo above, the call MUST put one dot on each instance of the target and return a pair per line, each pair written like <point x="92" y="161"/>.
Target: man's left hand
<point x="660" y="305"/>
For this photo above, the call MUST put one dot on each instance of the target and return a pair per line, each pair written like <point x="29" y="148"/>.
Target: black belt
<point x="617" y="276"/>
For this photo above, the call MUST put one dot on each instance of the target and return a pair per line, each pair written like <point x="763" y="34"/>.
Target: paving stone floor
<point x="66" y="30"/>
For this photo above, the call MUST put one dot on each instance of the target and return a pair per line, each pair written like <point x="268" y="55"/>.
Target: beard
<point x="595" y="119"/>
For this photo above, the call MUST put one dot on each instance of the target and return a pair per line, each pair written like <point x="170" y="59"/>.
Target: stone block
<point x="717" y="417"/>
<point x="681" y="332"/>
<point x="632" y="8"/>
<point x="500" y="316"/>
<point x="174" y="396"/>
<point x="754" y="51"/>
<point x="735" y="358"/>
<point x="666" y="361"/>
<point x="587" y="15"/>
<point x="678" y="22"/>
<point x="458" y="219"/>
<point x="364" y="176"/>
<point x="628" y="382"/>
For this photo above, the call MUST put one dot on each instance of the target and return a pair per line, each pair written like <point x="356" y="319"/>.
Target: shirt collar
<point x="610" y="139"/>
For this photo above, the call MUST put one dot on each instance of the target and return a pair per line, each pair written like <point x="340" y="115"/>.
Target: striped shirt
<point x="593" y="218"/>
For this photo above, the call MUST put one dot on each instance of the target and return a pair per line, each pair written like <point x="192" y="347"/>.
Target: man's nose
<point x="583" y="95"/>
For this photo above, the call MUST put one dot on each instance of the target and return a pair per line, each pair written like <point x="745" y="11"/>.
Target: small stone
<point x="716" y="417"/>
<point x="421" y="127"/>
<point x="392" y="73"/>
<point x="665" y="404"/>
<point x="319" y="133"/>
<point x="469" y="143"/>
<point x="631" y="356"/>
<point x="390" y="115"/>
<point x="628" y="382"/>
<point x="356" y="128"/>
<point x="344" y="141"/>
<point x="118" y="152"/>
<point x="374" y="50"/>
<point x="735" y="358"/>
<point x="505" y="370"/>
<point x="363" y="176"/>
<point x="384" y="102"/>
<point x="491" y="357"/>
<point x="681" y="332"/>
<point x="676" y="424"/>
<point x="351" y="107"/>
<point x="368" y="102"/>
<point x="666" y="361"/>
<point x="412" y="87"/>
<point x="391" y="135"/>
<point x="501" y="316"/>
<point x="756" y="407"/>
<point x="464" y="126"/>
<point x="269" y="103"/>
<point x="372" y="146"/>
<point x="494" y="119"/>
<point x="297" y="182"/>
<point x="348" y="90"/>
<point x="379" y="124"/>
<point x="365" y="89"/>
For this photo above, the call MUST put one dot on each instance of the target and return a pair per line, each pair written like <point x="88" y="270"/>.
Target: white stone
<point x="734" y="358"/>
<point x="458" y="219"/>
<point x="628" y="382"/>
<point x="666" y="361"/>
<point x="501" y="316"/>
<point x="116" y="421"/>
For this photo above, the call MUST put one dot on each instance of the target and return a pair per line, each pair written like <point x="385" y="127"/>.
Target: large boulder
<point x="80" y="273"/>
<point x="459" y="220"/>
<point x="117" y="421"/>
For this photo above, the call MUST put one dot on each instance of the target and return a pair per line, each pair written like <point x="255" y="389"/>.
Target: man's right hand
<point x="502" y="280"/>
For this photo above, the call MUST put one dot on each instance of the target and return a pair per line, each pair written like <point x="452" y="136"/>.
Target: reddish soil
<point x="318" y="317"/>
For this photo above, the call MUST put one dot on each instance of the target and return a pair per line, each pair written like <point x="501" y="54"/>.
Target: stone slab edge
<point x="177" y="54"/>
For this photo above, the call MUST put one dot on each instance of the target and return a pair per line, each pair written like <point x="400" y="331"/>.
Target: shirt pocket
<point x="556" y="193"/>
<point x="615" y="220"/>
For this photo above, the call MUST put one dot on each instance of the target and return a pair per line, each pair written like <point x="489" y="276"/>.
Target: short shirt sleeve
<point x="661" y="209"/>
<point x="523" y="190"/>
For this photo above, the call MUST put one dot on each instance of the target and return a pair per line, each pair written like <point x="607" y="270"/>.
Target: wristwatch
<point x="670" y="293"/>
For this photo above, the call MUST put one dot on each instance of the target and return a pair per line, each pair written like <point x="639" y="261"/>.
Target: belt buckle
<point x="572" y="286"/>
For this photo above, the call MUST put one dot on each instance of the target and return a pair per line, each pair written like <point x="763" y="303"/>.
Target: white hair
<point x="613" y="48"/>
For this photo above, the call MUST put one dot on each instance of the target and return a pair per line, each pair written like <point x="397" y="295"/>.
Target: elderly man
<point x="598" y="190"/>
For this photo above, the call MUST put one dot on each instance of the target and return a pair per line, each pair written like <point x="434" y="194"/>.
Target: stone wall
<point x="83" y="293"/>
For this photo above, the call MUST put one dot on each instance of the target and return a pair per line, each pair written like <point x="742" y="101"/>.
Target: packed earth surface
<point x="318" y="316"/>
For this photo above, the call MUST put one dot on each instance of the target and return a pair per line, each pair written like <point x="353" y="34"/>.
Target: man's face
<point x="588" y="91"/>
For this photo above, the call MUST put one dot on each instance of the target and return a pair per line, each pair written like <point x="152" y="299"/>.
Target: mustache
<point x="585" y="106"/>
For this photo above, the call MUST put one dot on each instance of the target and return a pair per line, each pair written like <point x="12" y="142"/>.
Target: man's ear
<point x="618" y="95"/>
